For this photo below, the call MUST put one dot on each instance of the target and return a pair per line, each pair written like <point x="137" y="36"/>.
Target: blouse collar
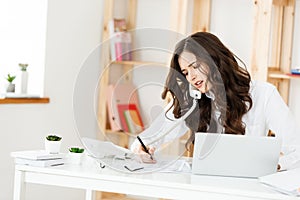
<point x="210" y="95"/>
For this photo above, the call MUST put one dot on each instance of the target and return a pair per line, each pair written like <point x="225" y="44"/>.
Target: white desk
<point x="160" y="185"/>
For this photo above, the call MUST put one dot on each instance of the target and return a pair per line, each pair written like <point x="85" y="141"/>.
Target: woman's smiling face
<point x="194" y="71"/>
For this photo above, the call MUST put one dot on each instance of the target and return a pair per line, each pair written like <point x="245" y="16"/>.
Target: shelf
<point x="108" y="131"/>
<point x="283" y="76"/>
<point x="135" y="62"/>
<point x="24" y="100"/>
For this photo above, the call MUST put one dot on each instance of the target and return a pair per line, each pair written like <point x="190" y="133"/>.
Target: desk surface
<point x="160" y="185"/>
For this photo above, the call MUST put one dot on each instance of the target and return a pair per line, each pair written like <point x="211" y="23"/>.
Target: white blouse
<point x="268" y="112"/>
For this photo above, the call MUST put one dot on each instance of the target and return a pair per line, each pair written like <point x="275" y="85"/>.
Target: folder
<point x="119" y="95"/>
<point x="287" y="182"/>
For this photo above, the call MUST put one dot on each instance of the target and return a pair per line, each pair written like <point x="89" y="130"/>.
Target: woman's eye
<point x="196" y="65"/>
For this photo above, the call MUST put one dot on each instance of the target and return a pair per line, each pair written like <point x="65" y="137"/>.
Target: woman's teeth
<point x="198" y="83"/>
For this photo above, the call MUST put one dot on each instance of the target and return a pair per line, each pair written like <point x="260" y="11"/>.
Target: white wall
<point x="234" y="26"/>
<point x="74" y="29"/>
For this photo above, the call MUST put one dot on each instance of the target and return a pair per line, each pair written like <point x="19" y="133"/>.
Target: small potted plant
<point x="11" y="85"/>
<point x="75" y="155"/>
<point x="53" y="143"/>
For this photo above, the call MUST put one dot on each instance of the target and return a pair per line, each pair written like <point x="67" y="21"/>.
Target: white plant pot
<point x="10" y="87"/>
<point x="52" y="146"/>
<point x="75" y="158"/>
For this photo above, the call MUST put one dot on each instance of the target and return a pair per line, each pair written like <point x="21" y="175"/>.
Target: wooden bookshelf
<point x="272" y="43"/>
<point x="127" y="66"/>
<point x="179" y="23"/>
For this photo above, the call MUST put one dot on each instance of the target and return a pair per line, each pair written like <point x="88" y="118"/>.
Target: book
<point x="39" y="163"/>
<point x="37" y="155"/>
<point x="125" y="40"/>
<point x="133" y="120"/>
<point x="121" y="109"/>
<point x="295" y="71"/>
<point x="130" y="118"/>
<point x="120" y="40"/>
<point x="287" y="182"/>
<point x="122" y="46"/>
<point x="117" y="25"/>
<point x="118" y="46"/>
<point x="119" y="94"/>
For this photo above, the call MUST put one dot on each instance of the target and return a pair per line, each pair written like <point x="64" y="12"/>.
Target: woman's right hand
<point x="145" y="157"/>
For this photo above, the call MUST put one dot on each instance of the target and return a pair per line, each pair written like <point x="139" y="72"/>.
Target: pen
<point x="144" y="147"/>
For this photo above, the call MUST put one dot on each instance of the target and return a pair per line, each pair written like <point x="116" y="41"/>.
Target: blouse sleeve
<point x="159" y="131"/>
<point x="280" y="120"/>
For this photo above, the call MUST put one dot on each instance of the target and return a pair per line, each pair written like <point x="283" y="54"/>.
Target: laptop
<point x="235" y="155"/>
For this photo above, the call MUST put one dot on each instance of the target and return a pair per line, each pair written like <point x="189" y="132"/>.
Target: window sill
<point x="24" y="100"/>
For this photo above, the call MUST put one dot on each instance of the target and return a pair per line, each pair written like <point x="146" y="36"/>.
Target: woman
<point x="230" y="102"/>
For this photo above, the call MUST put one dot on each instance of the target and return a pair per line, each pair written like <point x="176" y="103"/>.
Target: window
<point x="23" y="40"/>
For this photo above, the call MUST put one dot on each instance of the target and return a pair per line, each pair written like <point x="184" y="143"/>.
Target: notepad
<point x="287" y="182"/>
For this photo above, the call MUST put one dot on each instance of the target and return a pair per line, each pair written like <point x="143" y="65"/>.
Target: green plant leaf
<point x="10" y="78"/>
<point x="53" y="138"/>
<point x="76" y="150"/>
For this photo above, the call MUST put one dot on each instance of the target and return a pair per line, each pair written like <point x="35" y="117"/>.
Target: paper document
<point x="122" y="159"/>
<point x="134" y="164"/>
<point x="102" y="149"/>
<point x="181" y="166"/>
<point x="287" y="182"/>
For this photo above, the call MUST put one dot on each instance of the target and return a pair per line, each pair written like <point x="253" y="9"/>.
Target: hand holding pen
<point x="149" y="151"/>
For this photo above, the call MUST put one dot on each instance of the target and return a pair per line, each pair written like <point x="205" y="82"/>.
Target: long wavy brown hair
<point x="227" y="100"/>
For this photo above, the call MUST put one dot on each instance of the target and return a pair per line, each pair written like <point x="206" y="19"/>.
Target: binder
<point x="119" y="95"/>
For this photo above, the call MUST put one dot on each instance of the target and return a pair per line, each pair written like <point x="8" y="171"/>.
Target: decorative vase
<point x="52" y="146"/>
<point x="22" y="82"/>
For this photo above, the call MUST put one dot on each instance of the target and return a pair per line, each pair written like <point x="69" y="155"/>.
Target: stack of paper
<point x="17" y="95"/>
<point x="287" y="182"/>
<point x="38" y="158"/>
